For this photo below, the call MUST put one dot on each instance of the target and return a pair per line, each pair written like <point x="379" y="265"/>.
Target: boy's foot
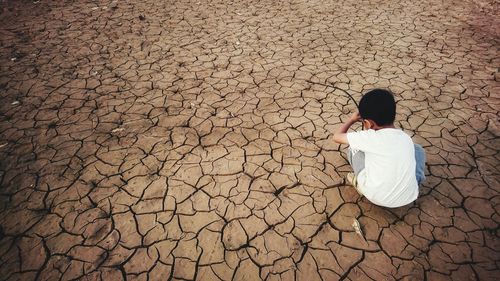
<point x="351" y="179"/>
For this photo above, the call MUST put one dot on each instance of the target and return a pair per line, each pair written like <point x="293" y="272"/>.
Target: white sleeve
<point x="362" y="140"/>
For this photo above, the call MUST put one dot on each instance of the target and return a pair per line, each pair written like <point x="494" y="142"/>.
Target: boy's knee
<point x="419" y="153"/>
<point x="418" y="147"/>
<point x="420" y="161"/>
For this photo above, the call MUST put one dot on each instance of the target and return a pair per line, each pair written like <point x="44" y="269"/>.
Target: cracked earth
<point x="186" y="140"/>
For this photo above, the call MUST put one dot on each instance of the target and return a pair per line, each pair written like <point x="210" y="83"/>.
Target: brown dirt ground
<point x="181" y="140"/>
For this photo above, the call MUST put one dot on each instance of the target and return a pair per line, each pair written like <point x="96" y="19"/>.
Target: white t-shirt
<point x="388" y="178"/>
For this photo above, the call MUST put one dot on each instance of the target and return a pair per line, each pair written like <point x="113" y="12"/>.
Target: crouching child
<point x="387" y="166"/>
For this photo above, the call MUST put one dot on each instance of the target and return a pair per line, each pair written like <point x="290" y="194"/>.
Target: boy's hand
<point x="355" y="117"/>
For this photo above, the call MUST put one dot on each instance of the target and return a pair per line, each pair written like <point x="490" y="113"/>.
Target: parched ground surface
<point x="180" y="140"/>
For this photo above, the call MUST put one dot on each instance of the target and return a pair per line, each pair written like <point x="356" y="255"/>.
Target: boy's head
<point x="378" y="105"/>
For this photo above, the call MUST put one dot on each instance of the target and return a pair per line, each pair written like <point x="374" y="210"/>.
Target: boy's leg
<point x="420" y="159"/>
<point x="357" y="160"/>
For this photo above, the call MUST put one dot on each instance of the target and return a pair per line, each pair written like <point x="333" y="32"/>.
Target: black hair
<point x="379" y="106"/>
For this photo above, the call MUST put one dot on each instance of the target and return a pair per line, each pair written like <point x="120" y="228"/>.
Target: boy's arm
<point x="340" y="135"/>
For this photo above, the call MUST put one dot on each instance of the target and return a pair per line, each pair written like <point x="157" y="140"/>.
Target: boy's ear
<point x="369" y="124"/>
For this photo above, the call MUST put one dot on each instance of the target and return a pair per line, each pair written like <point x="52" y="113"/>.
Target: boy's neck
<point x="385" y="127"/>
<point x="377" y="127"/>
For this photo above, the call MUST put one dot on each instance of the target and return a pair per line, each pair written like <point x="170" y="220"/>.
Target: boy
<point x="387" y="166"/>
